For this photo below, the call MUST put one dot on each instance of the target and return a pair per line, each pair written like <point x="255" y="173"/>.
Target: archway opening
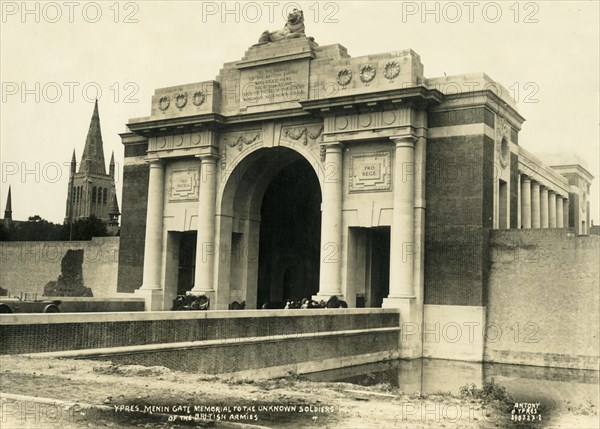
<point x="290" y="235"/>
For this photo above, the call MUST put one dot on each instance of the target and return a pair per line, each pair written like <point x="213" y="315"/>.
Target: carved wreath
<point x="367" y="73"/>
<point x="344" y="76"/>
<point x="241" y="141"/>
<point x="502" y="138"/>
<point x="164" y="103"/>
<point x="391" y="70"/>
<point x="304" y="133"/>
<point x="199" y="98"/>
<point x="181" y="100"/>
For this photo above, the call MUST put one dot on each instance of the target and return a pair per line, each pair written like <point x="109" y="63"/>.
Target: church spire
<point x="73" y="163"/>
<point x="92" y="160"/>
<point x="114" y="212"/>
<point x="8" y="210"/>
<point x="111" y="167"/>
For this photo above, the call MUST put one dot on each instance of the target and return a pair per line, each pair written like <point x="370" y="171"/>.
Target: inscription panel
<point x="370" y="172"/>
<point x="275" y="83"/>
<point x="183" y="185"/>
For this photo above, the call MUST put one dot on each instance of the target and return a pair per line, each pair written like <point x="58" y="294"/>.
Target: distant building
<point x="8" y="210"/>
<point x="91" y="190"/>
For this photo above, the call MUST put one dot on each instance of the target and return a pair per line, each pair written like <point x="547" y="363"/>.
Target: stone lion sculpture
<point x="294" y="27"/>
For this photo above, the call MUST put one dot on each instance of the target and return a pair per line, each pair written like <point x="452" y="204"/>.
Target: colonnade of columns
<point x="542" y="207"/>
<point x="402" y="247"/>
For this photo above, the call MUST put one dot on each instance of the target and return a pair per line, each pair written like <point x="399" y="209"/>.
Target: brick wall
<point x="28" y="265"/>
<point x="224" y="341"/>
<point x="48" y="333"/>
<point x="543" y="306"/>
<point x="459" y="192"/>
<point x="133" y="226"/>
<point x="95" y="305"/>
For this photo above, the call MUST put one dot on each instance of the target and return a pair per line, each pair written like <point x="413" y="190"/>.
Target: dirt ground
<point x="100" y="394"/>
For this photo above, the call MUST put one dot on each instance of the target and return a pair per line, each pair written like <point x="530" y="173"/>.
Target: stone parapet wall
<point x="543" y="296"/>
<point x="27" y="266"/>
<point x="29" y="333"/>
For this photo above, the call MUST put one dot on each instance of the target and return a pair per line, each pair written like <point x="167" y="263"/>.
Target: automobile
<point x="28" y="303"/>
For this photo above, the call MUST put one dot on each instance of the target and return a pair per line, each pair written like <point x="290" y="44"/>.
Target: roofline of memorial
<point x="580" y="167"/>
<point x="149" y="126"/>
<point x="493" y="95"/>
<point x="371" y="99"/>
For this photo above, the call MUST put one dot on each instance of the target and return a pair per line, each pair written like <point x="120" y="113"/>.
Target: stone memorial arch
<point x="301" y="171"/>
<point x="215" y="148"/>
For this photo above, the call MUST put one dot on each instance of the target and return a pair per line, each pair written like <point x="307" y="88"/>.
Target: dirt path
<point x="136" y="396"/>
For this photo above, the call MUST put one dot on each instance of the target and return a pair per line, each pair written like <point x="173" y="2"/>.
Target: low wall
<point x="543" y="296"/>
<point x="276" y="341"/>
<point x="28" y="265"/>
<point x="99" y="305"/>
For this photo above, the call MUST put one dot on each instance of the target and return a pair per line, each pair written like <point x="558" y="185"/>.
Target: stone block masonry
<point x="27" y="266"/>
<point x="543" y="298"/>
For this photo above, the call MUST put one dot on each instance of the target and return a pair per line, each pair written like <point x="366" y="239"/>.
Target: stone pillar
<point x="330" y="282"/>
<point x="206" y="247"/>
<point x="403" y="248"/>
<point x="151" y="288"/>
<point x="559" y="212"/>
<point x="551" y="209"/>
<point x="565" y="213"/>
<point x="525" y="202"/>
<point x="535" y="205"/>
<point x="543" y="207"/>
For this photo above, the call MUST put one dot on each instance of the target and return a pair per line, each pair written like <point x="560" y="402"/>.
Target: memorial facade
<point x="301" y="171"/>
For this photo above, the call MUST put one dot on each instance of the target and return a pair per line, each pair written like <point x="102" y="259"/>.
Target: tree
<point x="35" y="229"/>
<point x="85" y="229"/>
<point x="4" y="232"/>
<point x="39" y="229"/>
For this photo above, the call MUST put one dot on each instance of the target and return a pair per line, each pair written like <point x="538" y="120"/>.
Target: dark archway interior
<point x="290" y="235"/>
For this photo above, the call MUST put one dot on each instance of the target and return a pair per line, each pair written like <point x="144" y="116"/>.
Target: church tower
<point x="8" y="210"/>
<point x="91" y="190"/>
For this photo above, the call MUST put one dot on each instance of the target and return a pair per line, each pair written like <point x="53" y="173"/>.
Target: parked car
<point x="28" y="303"/>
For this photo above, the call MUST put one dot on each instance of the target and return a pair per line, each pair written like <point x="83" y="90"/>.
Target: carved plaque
<point x="274" y="83"/>
<point x="184" y="185"/>
<point x="370" y="172"/>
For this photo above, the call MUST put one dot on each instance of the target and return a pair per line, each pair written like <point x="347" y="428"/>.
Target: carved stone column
<point x="551" y="209"/>
<point x="151" y="288"/>
<point x="403" y="248"/>
<point x="330" y="282"/>
<point x="566" y="213"/>
<point x="535" y="205"/>
<point x="543" y="207"/>
<point x="559" y="212"/>
<point x="206" y="246"/>
<point x="525" y="202"/>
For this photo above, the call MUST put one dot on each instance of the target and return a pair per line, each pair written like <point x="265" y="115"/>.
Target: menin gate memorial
<point x="302" y="171"/>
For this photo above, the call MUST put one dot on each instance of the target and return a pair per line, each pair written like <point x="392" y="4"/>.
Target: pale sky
<point x="549" y="58"/>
